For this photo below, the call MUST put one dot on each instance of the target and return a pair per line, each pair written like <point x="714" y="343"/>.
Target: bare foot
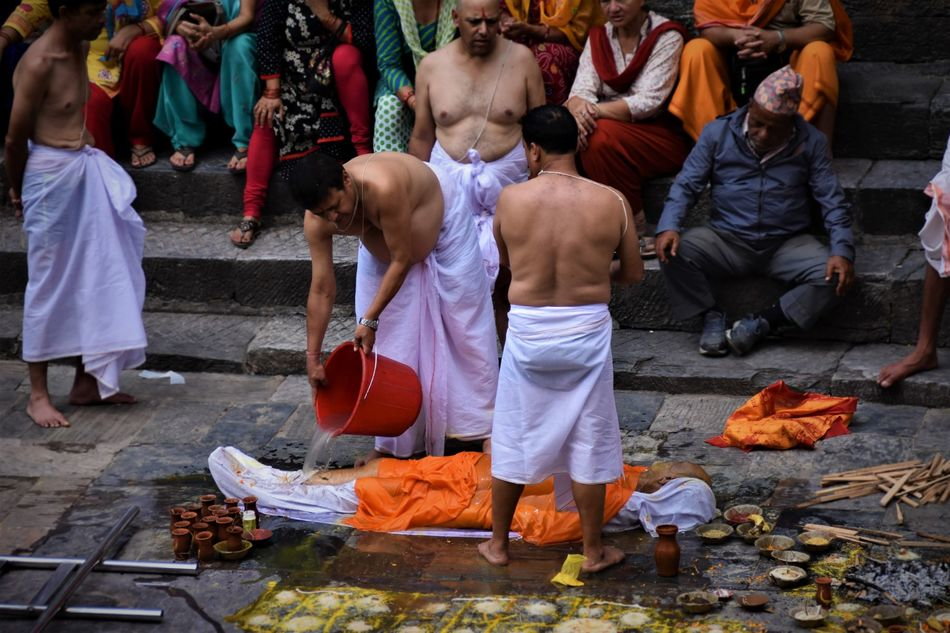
<point x="609" y="556"/>
<point x="44" y="414"/>
<point x="912" y="364"/>
<point x="368" y="457"/>
<point x="493" y="553"/>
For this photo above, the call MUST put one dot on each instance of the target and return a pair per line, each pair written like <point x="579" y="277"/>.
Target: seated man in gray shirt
<point x="765" y="165"/>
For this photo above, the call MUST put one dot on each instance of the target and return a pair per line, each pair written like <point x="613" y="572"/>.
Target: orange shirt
<point x="455" y="492"/>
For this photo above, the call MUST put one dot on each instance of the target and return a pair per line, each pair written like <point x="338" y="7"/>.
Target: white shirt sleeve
<point x="587" y="84"/>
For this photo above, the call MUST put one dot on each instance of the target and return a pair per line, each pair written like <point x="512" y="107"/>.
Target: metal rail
<point x="110" y="613"/>
<point x="126" y="566"/>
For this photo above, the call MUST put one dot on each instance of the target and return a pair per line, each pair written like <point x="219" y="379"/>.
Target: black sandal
<point x="238" y="155"/>
<point x="246" y="226"/>
<point x="186" y="152"/>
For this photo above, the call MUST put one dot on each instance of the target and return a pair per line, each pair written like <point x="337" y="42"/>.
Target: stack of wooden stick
<point x="913" y="483"/>
<point x="866" y="536"/>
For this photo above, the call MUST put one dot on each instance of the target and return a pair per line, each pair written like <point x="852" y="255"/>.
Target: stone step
<point x="191" y="267"/>
<point x="884" y="30"/>
<point x="643" y="360"/>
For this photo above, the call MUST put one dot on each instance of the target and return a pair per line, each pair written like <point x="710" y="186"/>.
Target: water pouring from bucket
<point x="367" y="394"/>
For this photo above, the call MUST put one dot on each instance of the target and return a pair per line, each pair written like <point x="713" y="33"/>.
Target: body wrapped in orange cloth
<point x="782" y="417"/>
<point x="392" y="495"/>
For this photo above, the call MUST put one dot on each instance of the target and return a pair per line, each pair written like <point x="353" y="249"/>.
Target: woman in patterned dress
<point x="316" y="98"/>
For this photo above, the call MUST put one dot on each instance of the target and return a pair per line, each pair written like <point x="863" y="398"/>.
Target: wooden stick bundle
<point x="913" y="483"/>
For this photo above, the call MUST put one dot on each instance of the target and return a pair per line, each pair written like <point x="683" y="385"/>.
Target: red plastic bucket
<point x="367" y="394"/>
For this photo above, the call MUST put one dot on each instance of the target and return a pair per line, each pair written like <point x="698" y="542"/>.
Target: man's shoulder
<point x="439" y="57"/>
<point x="521" y="54"/>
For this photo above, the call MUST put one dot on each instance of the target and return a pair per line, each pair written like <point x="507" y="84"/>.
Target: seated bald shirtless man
<point x="470" y="95"/>
<point x="388" y="495"/>
<point x="555" y="411"/>
<point x="421" y="296"/>
<point x="86" y="286"/>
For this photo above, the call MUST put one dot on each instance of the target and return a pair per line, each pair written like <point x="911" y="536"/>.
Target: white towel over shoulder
<point x="555" y="410"/>
<point x="481" y="183"/>
<point x="935" y="235"/>
<point x="441" y="324"/>
<point x="84" y="250"/>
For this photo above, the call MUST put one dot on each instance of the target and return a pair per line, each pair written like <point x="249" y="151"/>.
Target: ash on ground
<point x="918" y="582"/>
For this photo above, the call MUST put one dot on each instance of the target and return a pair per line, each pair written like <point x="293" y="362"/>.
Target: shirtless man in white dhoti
<point x="470" y="95"/>
<point x="421" y="296"/>
<point x="555" y="412"/>
<point x="84" y="241"/>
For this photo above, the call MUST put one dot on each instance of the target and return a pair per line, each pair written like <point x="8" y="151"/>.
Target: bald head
<point x="478" y="23"/>
<point x="661" y="473"/>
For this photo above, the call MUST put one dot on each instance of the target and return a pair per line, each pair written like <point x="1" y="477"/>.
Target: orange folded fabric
<point x="781" y="417"/>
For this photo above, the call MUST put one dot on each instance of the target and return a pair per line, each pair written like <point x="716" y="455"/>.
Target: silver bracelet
<point x="372" y="324"/>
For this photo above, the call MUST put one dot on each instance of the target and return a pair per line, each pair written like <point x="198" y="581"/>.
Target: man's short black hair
<point x="56" y="5"/>
<point x="550" y="127"/>
<point x="312" y="178"/>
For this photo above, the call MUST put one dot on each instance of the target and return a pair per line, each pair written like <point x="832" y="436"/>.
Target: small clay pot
<point x="250" y="503"/>
<point x="191" y="517"/>
<point x="667" y="551"/>
<point x="235" y="513"/>
<point x="235" y="533"/>
<point x="223" y="523"/>
<point x="180" y="525"/>
<point x="208" y="518"/>
<point x="199" y="526"/>
<point x="215" y="507"/>
<point x="174" y="514"/>
<point x="205" y="543"/>
<point x="181" y="543"/>
<point x="823" y="591"/>
<point x="207" y="501"/>
<point x="220" y="511"/>
<point x="231" y="502"/>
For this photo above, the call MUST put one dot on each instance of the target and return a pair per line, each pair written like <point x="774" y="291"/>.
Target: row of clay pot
<point x="203" y="542"/>
<point x="208" y="507"/>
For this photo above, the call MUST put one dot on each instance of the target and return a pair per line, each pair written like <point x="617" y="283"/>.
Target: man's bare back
<point x="558" y="234"/>
<point x="456" y="84"/>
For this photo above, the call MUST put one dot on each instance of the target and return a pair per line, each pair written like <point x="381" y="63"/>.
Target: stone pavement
<point x="61" y="490"/>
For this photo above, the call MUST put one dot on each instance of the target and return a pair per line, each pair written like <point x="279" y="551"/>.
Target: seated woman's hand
<point x="121" y="40"/>
<point x="265" y="111"/>
<point x="205" y="35"/>
<point x="585" y="113"/>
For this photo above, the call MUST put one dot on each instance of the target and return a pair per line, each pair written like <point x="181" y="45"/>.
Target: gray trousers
<point x="705" y="255"/>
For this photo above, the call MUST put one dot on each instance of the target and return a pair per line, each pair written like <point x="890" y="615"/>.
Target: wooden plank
<point x="934" y="537"/>
<point x="946" y="494"/>
<point x="877" y="469"/>
<point x="910" y="502"/>
<point x="870" y="531"/>
<point x="929" y="544"/>
<point x="900" y="513"/>
<point x="886" y="499"/>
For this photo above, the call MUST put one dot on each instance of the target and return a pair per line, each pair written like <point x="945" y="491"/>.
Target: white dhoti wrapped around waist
<point x="935" y="235"/>
<point x="480" y="184"/>
<point x="555" y="410"/>
<point x="441" y="324"/>
<point x="86" y="286"/>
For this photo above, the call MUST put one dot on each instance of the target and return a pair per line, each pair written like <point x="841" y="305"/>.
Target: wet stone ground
<point x="60" y="491"/>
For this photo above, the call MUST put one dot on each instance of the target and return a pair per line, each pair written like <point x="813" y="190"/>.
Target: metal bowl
<point x="697" y="601"/>
<point x="816" y="541"/>
<point x="792" y="557"/>
<point x="809" y="617"/>
<point x="740" y="513"/>
<point x="754" y="601"/>
<point x="222" y="549"/>
<point x="773" y="543"/>
<point x="747" y="532"/>
<point x="714" y="532"/>
<point x="886" y="614"/>
<point x="787" y="576"/>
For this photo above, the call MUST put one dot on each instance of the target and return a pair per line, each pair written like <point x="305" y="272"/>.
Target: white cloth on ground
<point x="684" y="503"/>
<point x="935" y="235"/>
<point x="555" y="410"/>
<point x="441" y="324"/>
<point x="481" y="184"/>
<point x="86" y="285"/>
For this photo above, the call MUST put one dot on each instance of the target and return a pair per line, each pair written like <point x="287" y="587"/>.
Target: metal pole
<point x="59" y="600"/>
<point x="98" y="613"/>
<point x="128" y="566"/>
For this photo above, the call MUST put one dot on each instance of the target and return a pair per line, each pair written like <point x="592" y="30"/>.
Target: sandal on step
<point x="647" y="247"/>
<point x="139" y="154"/>
<point x="238" y="156"/>
<point x="248" y="227"/>
<point x="186" y="152"/>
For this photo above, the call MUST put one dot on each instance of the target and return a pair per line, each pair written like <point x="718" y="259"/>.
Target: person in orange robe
<point x="718" y="70"/>
<point x="390" y="495"/>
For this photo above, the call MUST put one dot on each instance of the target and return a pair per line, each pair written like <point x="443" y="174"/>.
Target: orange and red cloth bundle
<point x="781" y="417"/>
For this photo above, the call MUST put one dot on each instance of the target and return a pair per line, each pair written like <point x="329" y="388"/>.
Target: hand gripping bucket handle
<point x="367" y="396"/>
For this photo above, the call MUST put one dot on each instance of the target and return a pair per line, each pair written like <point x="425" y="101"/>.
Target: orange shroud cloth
<point x="782" y="417"/>
<point x="703" y="92"/>
<point x="455" y="492"/>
